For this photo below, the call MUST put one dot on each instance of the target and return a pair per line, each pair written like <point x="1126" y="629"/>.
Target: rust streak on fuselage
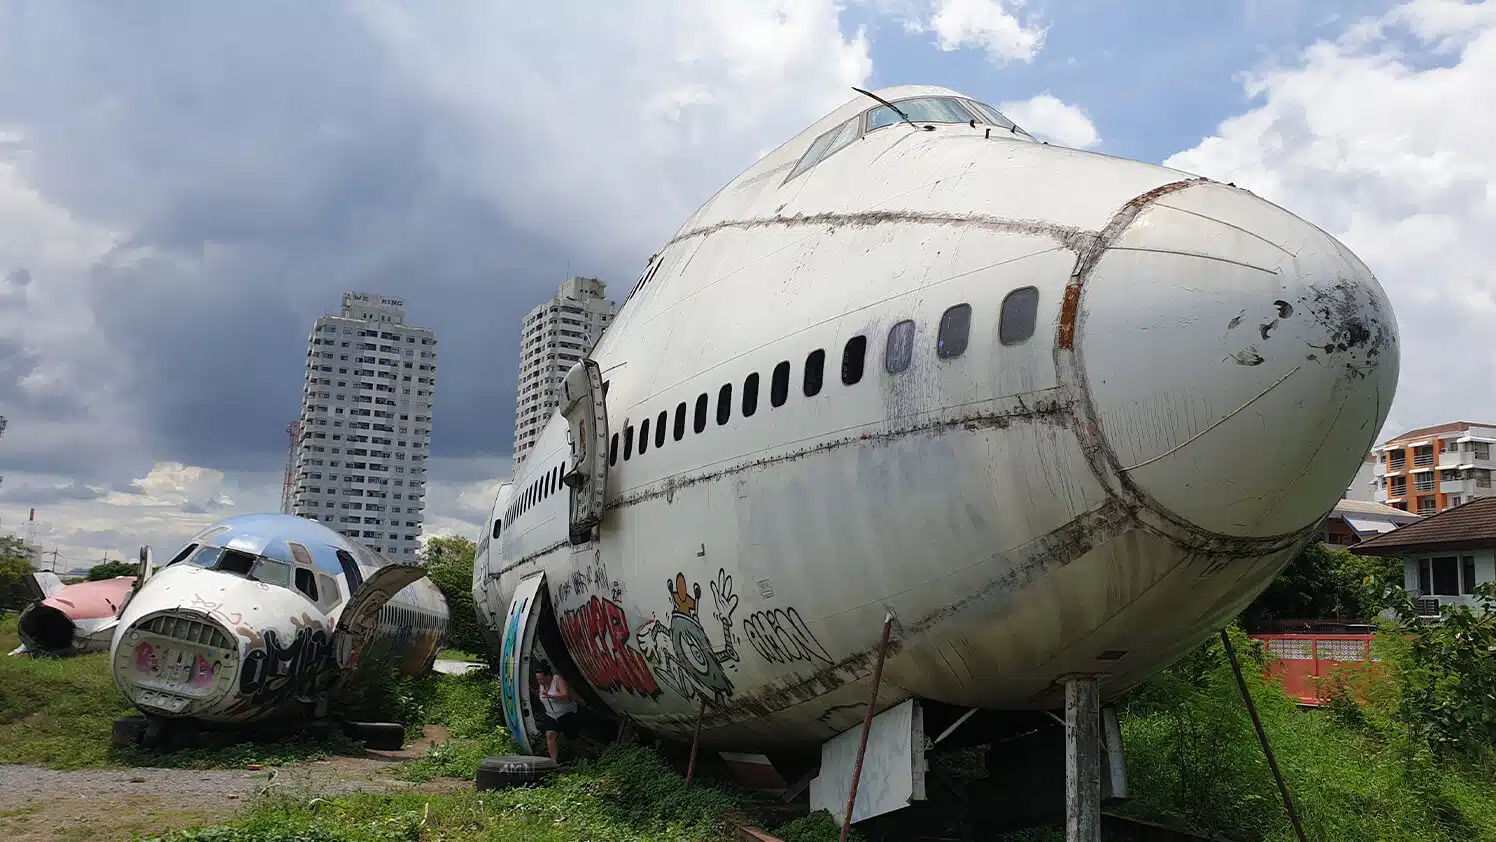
<point x="1067" y="236"/>
<point x="1090" y="255"/>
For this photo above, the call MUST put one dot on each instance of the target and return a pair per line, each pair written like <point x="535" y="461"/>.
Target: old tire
<point x="379" y="736"/>
<point x="512" y="770"/>
<point x="128" y="731"/>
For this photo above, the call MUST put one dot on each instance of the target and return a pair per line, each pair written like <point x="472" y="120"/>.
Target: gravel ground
<point x="42" y="805"/>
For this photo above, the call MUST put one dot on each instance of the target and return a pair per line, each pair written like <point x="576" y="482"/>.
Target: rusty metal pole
<point x="867" y="725"/>
<point x="695" y="741"/>
<point x="1272" y="762"/>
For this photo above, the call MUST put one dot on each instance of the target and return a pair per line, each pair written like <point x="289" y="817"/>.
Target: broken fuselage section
<point x="265" y="618"/>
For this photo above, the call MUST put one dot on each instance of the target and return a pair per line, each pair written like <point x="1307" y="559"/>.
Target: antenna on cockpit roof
<point x="895" y="108"/>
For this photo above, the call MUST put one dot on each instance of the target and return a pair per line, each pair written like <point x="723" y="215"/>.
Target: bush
<point x="449" y="563"/>
<point x="111" y="569"/>
<point x="1321" y="583"/>
<point x="1445" y="674"/>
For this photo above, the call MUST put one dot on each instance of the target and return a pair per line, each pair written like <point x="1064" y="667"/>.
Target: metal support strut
<point x="867" y="724"/>
<point x="1272" y="762"/>
<point x="695" y="741"/>
<point x="1082" y="759"/>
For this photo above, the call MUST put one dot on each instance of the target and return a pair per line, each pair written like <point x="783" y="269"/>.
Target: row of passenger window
<point x="1015" y="324"/>
<point x="539" y="489"/>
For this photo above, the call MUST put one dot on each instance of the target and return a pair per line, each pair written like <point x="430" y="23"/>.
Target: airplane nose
<point x="1240" y="361"/>
<point x="177" y="662"/>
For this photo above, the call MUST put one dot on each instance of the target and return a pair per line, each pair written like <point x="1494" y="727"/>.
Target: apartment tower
<point x="1431" y="469"/>
<point x="365" y="427"/>
<point x="556" y="335"/>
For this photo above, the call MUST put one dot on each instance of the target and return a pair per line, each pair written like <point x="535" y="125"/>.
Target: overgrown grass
<point x="467" y="706"/>
<point x="627" y="793"/>
<point x="59" y="713"/>
<point x="459" y="655"/>
<point x="1193" y="759"/>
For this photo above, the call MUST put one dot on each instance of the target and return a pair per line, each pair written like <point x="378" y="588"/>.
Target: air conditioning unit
<point x="1426" y="606"/>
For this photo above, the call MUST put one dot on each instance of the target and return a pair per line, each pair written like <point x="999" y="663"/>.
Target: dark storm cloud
<point x="41" y="497"/>
<point x="16" y="364"/>
<point x="264" y="158"/>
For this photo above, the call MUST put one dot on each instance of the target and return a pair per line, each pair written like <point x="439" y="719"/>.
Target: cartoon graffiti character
<point x="690" y="663"/>
<point x="684" y="602"/>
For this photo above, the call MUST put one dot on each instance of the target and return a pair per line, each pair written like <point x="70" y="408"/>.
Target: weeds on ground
<point x="627" y="793"/>
<point x="1354" y="773"/>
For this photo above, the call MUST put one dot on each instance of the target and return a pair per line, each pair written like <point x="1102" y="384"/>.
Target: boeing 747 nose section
<point x="1239" y="360"/>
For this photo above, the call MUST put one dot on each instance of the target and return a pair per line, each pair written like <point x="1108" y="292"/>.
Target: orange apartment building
<point x="1431" y="469"/>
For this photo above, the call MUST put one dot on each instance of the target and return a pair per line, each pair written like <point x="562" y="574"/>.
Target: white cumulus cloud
<point x="1391" y="153"/>
<point x="993" y="26"/>
<point x="1048" y="118"/>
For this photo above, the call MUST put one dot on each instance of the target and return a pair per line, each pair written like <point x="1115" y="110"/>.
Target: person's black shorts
<point x="565" y="724"/>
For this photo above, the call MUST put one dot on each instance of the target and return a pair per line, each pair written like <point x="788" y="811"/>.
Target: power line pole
<point x="54" y="559"/>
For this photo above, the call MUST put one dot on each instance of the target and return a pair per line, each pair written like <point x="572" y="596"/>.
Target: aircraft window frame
<point x="644" y="435"/>
<point x="206" y="557"/>
<point x="182" y="556"/>
<point x="815" y="373"/>
<point x="628" y="442"/>
<point x="308" y="588"/>
<point x="750" y="395"/>
<point x="867" y="116"/>
<point x="498" y="527"/>
<point x="956" y="320"/>
<point x="828" y="143"/>
<point x="724" y="404"/>
<point x="680" y="421"/>
<point x="351" y="573"/>
<point x="988" y="114"/>
<point x="613" y="451"/>
<point x="898" y="354"/>
<point x="662" y="424"/>
<point x="1007" y="334"/>
<point x="264" y="565"/>
<point x="779" y="386"/>
<point x="698" y="419"/>
<point x="854" y="360"/>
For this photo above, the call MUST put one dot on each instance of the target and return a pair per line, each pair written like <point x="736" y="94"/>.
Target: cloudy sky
<point x="185" y="187"/>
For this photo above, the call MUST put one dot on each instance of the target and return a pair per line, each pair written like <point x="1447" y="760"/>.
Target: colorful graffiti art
<point x="272" y="672"/>
<point x="597" y="635"/>
<point x="509" y="679"/>
<point x="678" y="649"/>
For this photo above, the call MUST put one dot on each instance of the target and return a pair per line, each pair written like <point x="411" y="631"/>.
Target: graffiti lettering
<point x="597" y="634"/>
<point x="274" y="672"/>
<point x="782" y="637"/>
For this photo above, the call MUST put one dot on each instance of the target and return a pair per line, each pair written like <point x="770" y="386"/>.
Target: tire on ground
<point x="379" y="736"/>
<point x="127" y="731"/>
<point x="512" y="770"/>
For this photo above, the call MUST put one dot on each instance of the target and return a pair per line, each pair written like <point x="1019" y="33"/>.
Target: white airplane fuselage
<point x="1161" y="386"/>
<point x="254" y="620"/>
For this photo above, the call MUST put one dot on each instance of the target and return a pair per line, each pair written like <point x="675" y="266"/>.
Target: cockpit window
<point x="923" y="110"/>
<point x="206" y="557"/>
<point x="825" y="146"/>
<point x="991" y="115"/>
<point x="271" y="572"/>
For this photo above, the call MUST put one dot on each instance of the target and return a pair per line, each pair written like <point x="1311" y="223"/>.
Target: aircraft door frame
<point x="358" y="620"/>
<point x="584" y="406"/>
<point x="514" y="659"/>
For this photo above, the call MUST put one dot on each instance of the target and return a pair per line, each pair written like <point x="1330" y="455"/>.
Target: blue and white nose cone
<point x="1240" y="361"/>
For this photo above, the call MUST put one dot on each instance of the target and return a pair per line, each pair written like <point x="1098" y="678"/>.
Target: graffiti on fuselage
<point x="780" y="636"/>
<point x="681" y="653"/>
<point x="597" y="636"/>
<point x="509" y="668"/>
<point x="273" y="671"/>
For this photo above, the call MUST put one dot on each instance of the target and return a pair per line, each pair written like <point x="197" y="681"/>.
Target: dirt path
<point x="41" y="805"/>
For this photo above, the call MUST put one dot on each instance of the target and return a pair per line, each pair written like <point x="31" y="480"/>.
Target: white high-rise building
<point x="366" y="424"/>
<point x="556" y="334"/>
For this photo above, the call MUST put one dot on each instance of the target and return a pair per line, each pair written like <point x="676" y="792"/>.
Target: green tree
<point x="449" y="562"/>
<point x="15" y="566"/>
<point x="1445" y="671"/>
<point x="111" y="569"/>
<point x="1324" y="584"/>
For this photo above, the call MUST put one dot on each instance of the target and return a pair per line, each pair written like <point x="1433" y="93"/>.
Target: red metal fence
<point x="1311" y="666"/>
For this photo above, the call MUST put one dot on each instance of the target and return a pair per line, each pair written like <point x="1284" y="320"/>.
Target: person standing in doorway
<point x="559" y="714"/>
